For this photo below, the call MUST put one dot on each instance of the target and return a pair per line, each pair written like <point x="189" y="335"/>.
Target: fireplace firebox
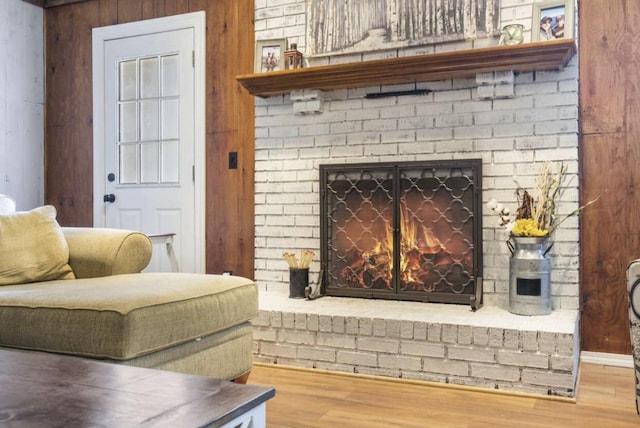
<point x="403" y="231"/>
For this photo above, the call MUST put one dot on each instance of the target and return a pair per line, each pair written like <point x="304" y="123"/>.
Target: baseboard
<point x="606" y="359"/>
<point x="433" y="384"/>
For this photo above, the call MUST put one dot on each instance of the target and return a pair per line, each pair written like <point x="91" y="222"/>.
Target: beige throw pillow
<point x="32" y="247"/>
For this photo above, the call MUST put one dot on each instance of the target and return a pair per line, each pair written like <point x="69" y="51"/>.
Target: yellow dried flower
<point x="527" y="227"/>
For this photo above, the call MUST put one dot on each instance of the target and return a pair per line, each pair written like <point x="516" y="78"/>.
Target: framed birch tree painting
<point x="349" y="26"/>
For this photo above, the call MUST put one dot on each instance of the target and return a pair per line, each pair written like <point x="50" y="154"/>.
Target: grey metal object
<point x="529" y="276"/>
<point x="633" y="293"/>
<point x="298" y="281"/>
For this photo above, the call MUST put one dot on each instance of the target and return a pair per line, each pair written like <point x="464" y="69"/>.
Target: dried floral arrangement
<point x="536" y="212"/>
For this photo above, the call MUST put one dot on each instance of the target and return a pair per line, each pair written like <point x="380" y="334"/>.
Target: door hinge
<point x="193" y="173"/>
<point x="193" y="59"/>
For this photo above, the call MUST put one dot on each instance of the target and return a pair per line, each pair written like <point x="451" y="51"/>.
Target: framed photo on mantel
<point x="552" y="20"/>
<point x="269" y="55"/>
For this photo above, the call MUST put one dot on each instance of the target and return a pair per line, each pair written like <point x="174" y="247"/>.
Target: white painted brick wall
<point x="512" y="136"/>
<point x="531" y="361"/>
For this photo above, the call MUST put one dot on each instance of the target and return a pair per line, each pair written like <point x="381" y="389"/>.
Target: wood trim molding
<point x="51" y="3"/>
<point x="545" y="55"/>
<point x="607" y="359"/>
<point x="36" y="2"/>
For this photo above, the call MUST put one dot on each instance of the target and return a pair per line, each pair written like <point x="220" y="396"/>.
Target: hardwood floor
<point x="605" y="398"/>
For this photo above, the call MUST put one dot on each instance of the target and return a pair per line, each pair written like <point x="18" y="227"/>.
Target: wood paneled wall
<point x="229" y="116"/>
<point x="610" y="159"/>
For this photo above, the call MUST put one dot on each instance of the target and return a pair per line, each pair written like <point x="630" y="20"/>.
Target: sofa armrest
<point x="96" y="252"/>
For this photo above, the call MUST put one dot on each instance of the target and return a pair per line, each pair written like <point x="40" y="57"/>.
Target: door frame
<point x="100" y="36"/>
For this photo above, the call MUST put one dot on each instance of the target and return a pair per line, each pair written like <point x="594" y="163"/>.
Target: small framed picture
<point x="270" y="55"/>
<point x="552" y="20"/>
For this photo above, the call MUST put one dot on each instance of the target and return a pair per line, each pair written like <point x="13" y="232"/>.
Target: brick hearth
<point x="489" y="348"/>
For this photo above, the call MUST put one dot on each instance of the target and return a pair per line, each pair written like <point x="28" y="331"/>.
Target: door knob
<point x="110" y="198"/>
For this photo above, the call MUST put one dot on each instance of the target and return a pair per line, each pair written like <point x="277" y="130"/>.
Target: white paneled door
<point x="147" y="142"/>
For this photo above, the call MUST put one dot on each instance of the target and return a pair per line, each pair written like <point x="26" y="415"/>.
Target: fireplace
<point x="403" y="231"/>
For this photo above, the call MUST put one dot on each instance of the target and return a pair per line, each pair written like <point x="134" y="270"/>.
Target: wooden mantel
<point x="545" y="55"/>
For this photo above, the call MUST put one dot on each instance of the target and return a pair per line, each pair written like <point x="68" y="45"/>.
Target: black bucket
<point x="298" y="281"/>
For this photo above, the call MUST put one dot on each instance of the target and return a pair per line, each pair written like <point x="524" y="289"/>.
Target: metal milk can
<point x="529" y="275"/>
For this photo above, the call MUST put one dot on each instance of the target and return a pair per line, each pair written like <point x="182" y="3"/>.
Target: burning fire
<point x="421" y="252"/>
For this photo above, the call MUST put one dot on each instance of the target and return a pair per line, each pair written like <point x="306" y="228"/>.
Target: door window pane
<point x="170" y="162"/>
<point x="128" y="82"/>
<point x="149" y="117"/>
<point x="170" y="112"/>
<point x="170" y="76"/>
<point x="149" y="153"/>
<point x="128" y="116"/>
<point x="149" y="78"/>
<point x="128" y="163"/>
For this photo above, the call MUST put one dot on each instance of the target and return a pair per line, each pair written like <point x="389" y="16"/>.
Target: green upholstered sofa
<point x="104" y="308"/>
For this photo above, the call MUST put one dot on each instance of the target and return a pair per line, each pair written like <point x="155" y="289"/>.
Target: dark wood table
<point x="48" y="390"/>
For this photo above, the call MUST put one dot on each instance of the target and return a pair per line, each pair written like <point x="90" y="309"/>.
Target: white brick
<point x="496" y="337"/>
<point x="523" y="359"/>
<point x="471" y="354"/>
<point x="513" y="130"/>
<point x="379" y="327"/>
<point x="480" y="336"/>
<point x="406" y="329"/>
<point x="465" y="132"/>
<point x="422" y="349"/>
<point x="562" y="364"/>
<point x="325" y="323"/>
<point x="485" y="78"/>
<point x="465" y="334"/>
<point x="315" y="354"/>
<point x="392" y="328"/>
<point x="557" y="127"/>
<point x="439" y="365"/>
<point x="338" y="324"/>
<point x="378" y="345"/>
<point x="546" y="378"/>
<point x="485" y="92"/>
<point x="506" y="90"/>
<point x="336" y="340"/>
<point x="496" y="372"/>
<point x="504" y="77"/>
<point x="449" y="333"/>
<point x="365" y="326"/>
<point x="397" y="111"/>
<point x="420" y="331"/>
<point x="436" y="134"/>
<point x="396" y="362"/>
<point x="566" y="344"/>
<point x="434" y="332"/>
<point x="262" y="320"/>
<point x="357" y="358"/>
<point x="380" y="125"/>
<point x="378" y="371"/>
<point x="453" y="95"/>
<point x="454" y="120"/>
<point x="278" y="350"/>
